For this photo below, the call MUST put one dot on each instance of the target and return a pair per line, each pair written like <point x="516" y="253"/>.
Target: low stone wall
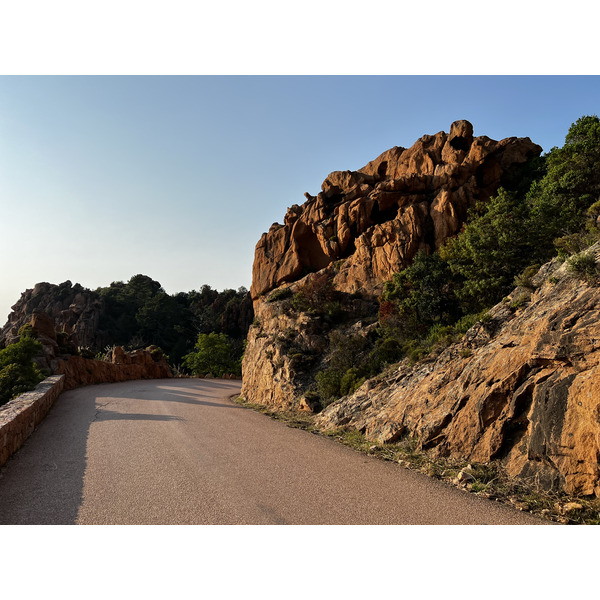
<point x="86" y="371"/>
<point x="19" y="417"/>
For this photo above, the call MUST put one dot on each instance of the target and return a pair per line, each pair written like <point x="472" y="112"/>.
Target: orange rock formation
<point x="374" y="220"/>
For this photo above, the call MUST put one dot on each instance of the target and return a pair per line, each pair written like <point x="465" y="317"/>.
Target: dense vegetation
<point x="139" y="313"/>
<point x="18" y="372"/>
<point x="549" y="207"/>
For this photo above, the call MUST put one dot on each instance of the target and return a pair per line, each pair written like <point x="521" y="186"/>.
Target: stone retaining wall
<point x="19" y="417"/>
<point x="87" y="371"/>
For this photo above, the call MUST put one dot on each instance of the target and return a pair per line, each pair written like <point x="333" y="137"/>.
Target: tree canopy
<point x="139" y="313"/>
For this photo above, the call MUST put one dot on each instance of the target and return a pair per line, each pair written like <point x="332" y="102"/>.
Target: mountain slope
<point x="522" y="387"/>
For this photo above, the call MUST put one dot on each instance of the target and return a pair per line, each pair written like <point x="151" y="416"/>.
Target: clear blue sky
<point x="102" y="178"/>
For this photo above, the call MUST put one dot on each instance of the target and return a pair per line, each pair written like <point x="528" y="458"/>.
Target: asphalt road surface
<point x="177" y="451"/>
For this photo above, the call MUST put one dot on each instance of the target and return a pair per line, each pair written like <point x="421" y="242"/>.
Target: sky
<point x="177" y="177"/>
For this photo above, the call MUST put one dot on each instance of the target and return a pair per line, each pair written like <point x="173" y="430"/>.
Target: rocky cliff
<point x="522" y="387"/>
<point x="371" y="222"/>
<point x="340" y="246"/>
<point x="135" y="314"/>
<point x="74" y="310"/>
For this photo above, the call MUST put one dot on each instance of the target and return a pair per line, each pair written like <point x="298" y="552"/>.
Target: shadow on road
<point x="42" y="483"/>
<point x="191" y="399"/>
<point x="110" y="415"/>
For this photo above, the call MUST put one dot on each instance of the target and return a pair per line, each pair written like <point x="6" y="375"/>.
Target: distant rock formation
<point x="372" y="222"/>
<point x="93" y="320"/>
<point x="72" y="309"/>
<point x="524" y="388"/>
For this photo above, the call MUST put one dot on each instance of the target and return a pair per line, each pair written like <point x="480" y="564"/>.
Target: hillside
<point x="521" y="387"/>
<point x="446" y="293"/>
<point x="329" y="261"/>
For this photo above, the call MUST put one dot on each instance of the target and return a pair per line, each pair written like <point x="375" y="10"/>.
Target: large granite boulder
<point x="371" y="222"/>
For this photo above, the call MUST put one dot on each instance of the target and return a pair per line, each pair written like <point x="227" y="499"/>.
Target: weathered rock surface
<point x="283" y="346"/>
<point x="523" y="387"/>
<point x="374" y="220"/>
<point x="360" y="229"/>
<point x="286" y="347"/>
<point x="68" y="308"/>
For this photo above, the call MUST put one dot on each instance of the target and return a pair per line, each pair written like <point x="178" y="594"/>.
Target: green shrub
<point x="520" y="300"/>
<point x="280" y="294"/>
<point x="21" y="352"/>
<point x="328" y="384"/>
<point x="574" y="243"/>
<point x="465" y="323"/>
<point x="387" y="351"/>
<point x="419" y="296"/>
<point x="524" y="278"/>
<point x="27" y="330"/>
<point x="415" y="350"/>
<point x="350" y="381"/>
<point x="18" y="373"/>
<point x="494" y="246"/>
<point x="316" y="293"/>
<point x="561" y="201"/>
<point x="583" y="264"/>
<point x="213" y="354"/>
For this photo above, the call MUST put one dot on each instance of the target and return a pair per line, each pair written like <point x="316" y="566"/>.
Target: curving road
<point x="179" y="452"/>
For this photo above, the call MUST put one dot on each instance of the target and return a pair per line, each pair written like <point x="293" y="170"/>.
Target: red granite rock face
<point x="523" y="388"/>
<point x="371" y="222"/>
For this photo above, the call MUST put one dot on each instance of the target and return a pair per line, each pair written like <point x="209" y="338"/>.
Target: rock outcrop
<point x="362" y="227"/>
<point x="523" y="387"/>
<point x="72" y="309"/>
<point x="371" y="222"/>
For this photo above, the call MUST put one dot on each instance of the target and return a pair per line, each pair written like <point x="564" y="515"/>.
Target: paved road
<point x="179" y="452"/>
